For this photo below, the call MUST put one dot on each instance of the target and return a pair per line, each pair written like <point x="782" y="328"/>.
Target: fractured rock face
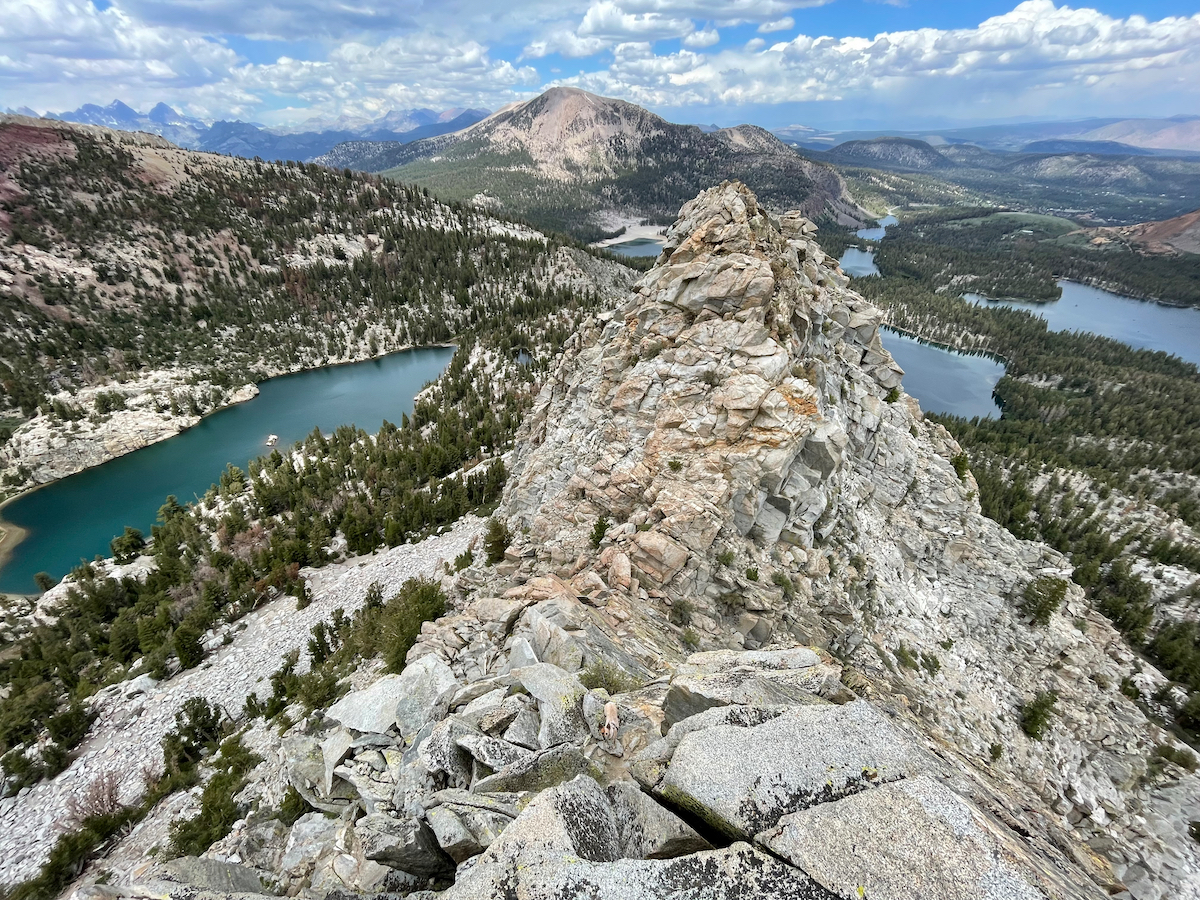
<point x="571" y="841"/>
<point x="741" y="427"/>
<point x="908" y="839"/>
<point x="763" y="488"/>
<point x="743" y="780"/>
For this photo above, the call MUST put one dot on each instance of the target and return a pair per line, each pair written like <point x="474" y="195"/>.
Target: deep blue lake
<point x="75" y="518"/>
<point x="945" y="381"/>
<point x="1137" y="323"/>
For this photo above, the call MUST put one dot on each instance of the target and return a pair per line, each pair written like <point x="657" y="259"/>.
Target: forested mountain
<point x="574" y="161"/>
<point x="121" y="254"/>
<point x="890" y="153"/>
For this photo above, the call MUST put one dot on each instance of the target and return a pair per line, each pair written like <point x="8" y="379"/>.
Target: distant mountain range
<point x="912" y="155"/>
<point x="302" y="142"/>
<point x="1112" y="137"/>
<point x="1099" y="182"/>
<point x="586" y="164"/>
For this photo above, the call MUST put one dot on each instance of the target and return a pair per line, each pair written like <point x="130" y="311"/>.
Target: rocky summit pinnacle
<point x="751" y="638"/>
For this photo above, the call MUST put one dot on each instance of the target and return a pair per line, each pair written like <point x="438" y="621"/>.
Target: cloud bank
<point x="220" y="58"/>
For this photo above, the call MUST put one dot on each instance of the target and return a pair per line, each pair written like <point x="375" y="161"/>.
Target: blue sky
<point x="826" y="63"/>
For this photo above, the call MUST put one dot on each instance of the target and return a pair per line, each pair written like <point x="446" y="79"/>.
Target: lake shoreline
<point x="1097" y="283"/>
<point x="632" y="233"/>
<point x="929" y="342"/>
<point x="12" y="535"/>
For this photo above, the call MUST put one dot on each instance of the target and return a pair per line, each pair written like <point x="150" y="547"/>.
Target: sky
<point x="821" y="63"/>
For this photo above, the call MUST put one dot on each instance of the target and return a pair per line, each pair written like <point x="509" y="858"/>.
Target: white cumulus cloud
<point x="787" y="23"/>
<point x="1038" y="58"/>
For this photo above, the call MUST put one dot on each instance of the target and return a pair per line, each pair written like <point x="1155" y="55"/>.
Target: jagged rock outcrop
<point x="727" y="464"/>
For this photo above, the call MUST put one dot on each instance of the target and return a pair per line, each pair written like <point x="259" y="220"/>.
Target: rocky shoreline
<point x="149" y="409"/>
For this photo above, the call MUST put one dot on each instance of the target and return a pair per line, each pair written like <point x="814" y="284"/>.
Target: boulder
<point x="333" y="750"/>
<point x="657" y="557"/>
<point x="648" y="830"/>
<point x="422" y="684"/>
<point x="566" y="843"/>
<point x="467" y="829"/>
<point x="521" y="654"/>
<point x="452" y="834"/>
<point x="649" y="766"/>
<point x="560" y="696"/>
<point x="371" y="709"/>
<point x="213" y="875"/>
<point x="492" y="752"/>
<point x="405" y="844"/>
<point x="743" y="780"/>
<point x="524" y="729"/>
<point x="690" y="695"/>
<point x="911" y="838"/>
<point x="440" y="752"/>
<point x="540" y="771"/>
<point x="311" y="836"/>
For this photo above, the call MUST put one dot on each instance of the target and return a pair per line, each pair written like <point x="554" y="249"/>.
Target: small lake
<point x="75" y="518"/>
<point x="877" y="233"/>
<point x="637" y="247"/>
<point x="858" y="263"/>
<point x="1135" y="322"/>
<point x="944" y="381"/>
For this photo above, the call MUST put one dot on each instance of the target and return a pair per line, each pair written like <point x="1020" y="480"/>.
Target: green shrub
<point x="128" y="545"/>
<point x="218" y="807"/>
<point x="996" y="751"/>
<point x="600" y="673"/>
<point x="187" y="645"/>
<point x="961" y="464"/>
<point x="44" y="581"/>
<point x="496" y="539"/>
<point x="1035" y="715"/>
<point x="1180" y="756"/>
<point x="1042" y="597"/>
<point x="907" y="657"/>
<point x="598" y="531"/>
<point x="690" y="638"/>
<point x="463" y="560"/>
<point x="70" y="854"/>
<point x="892" y="396"/>
<point x="70" y="726"/>
<point x="675" y="465"/>
<point x="20" y="770"/>
<point x="725" y="558"/>
<point x="780" y="580"/>
<point x="752" y="574"/>
<point x="197" y="730"/>
<point x="681" y="612"/>
<point x="294" y="806"/>
<point x="418" y="601"/>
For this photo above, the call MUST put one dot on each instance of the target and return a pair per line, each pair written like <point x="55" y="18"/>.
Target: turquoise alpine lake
<point x="75" y="518"/>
